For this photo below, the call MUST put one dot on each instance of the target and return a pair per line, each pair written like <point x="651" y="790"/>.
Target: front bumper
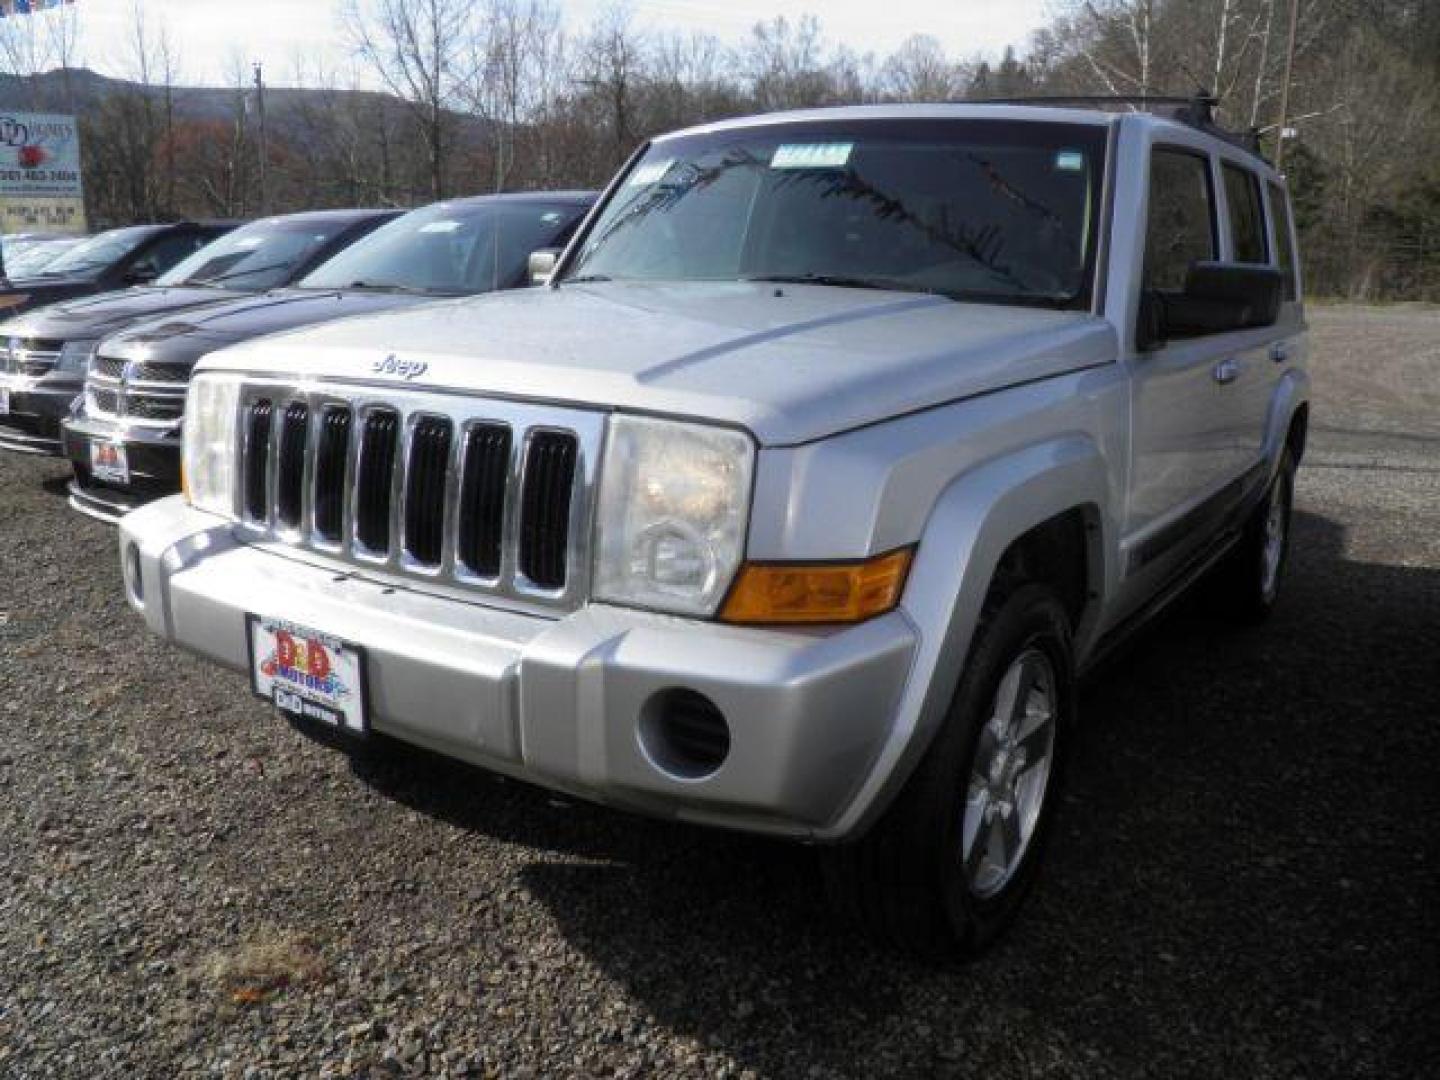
<point x="153" y="455"/>
<point x="37" y="407"/>
<point x="556" y="701"/>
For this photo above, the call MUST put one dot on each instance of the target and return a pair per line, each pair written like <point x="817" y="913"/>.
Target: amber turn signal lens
<point x="777" y="593"/>
<point x="184" y="482"/>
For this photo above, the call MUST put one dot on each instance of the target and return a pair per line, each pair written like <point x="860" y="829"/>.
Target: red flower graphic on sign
<point x="32" y="157"/>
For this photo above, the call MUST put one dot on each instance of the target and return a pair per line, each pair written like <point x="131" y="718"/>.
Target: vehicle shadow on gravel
<point x="1244" y="879"/>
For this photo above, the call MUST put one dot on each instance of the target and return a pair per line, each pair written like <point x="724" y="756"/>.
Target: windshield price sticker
<point x="649" y="172"/>
<point x="811" y="155"/>
<point x="1069" y="161"/>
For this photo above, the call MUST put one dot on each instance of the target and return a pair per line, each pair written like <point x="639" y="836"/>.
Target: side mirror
<point x="1217" y="298"/>
<point x="542" y="265"/>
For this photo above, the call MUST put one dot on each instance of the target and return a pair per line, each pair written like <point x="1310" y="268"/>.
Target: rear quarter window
<point x="1247" y="215"/>
<point x="1284" y="241"/>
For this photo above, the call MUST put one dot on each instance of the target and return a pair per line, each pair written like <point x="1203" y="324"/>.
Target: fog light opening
<point x="134" y="581"/>
<point x="684" y="734"/>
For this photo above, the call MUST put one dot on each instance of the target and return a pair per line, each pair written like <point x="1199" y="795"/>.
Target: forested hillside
<point x="506" y="94"/>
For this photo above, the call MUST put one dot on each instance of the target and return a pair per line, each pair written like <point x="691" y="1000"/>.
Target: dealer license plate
<point x="109" y="461"/>
<point x="307" y="674"/>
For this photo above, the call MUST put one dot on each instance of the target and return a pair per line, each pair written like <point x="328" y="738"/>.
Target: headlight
<point x="75" y="356"/>
<point x="674" y="499"/>
<point x="212" y="408"/>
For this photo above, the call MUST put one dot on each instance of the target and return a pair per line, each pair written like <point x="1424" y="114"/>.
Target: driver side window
<point x="165" y="253"/>
<point x="1180" y="228"/>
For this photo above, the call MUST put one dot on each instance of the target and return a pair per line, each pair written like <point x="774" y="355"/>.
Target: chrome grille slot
<point x="159" y="373"/>
<point x="257" y="461"/>
<point x="105" y="401"/>
<point x="466" y="497"/>
<point x="374" y="480"/>
<point x="331" y="456"/>
<point x="290" y="464"/>
<point x="108" y="367"/>
<point x="425" y="480"/>
<point x="154" y="408"/>
<point x="549" y="478"/>
<point x="482" y="498"/>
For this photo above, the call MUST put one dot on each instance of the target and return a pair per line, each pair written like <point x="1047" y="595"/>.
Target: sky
<point x="209" y="32"/>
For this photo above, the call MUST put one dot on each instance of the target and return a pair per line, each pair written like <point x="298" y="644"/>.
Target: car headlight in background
<point x="674" y="501"/>
<point x="209" y="452"/>
<point x="75" y="356"/>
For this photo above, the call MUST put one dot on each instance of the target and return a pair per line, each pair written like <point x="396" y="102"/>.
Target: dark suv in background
<point x="44" y="354"/>
<point x="124" y="438"/>
<point x="115" y="259"/>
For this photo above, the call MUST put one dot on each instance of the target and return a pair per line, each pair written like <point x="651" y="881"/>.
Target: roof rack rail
<point x="1197" y="111"/>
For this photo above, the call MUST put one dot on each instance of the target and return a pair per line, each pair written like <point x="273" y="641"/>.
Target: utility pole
<point x="1285" y="89"/>
<point x="264" y="150"/>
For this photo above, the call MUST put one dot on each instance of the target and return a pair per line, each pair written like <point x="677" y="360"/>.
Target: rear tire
<point x="1251" y="574"/>
<point x="948" y="866"/>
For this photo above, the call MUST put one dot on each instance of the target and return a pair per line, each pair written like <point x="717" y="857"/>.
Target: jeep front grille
<point x="470" y="495"/>
<point x="135" y="392"/>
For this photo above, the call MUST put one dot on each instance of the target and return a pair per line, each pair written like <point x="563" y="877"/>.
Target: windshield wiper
<point x="391" y="286"/>
<point x="585" y="279"/>
<point x="239" y="273"/>
<point x="841" y="281"/>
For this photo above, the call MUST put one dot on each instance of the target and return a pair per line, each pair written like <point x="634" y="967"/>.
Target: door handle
<point x="1280" y="352"/>
<point x="1226" y="371"/>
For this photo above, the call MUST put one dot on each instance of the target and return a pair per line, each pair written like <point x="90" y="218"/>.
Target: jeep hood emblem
<point x="392" y="365"/>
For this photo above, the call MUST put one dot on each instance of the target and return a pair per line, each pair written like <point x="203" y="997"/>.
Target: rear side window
<point x="1284" y="243"/>
<point x="1247" y="216"/>
<point x="1180" y="229"/>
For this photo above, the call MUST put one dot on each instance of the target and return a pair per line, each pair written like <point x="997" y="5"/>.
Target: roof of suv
<point x="1038" y="113"/>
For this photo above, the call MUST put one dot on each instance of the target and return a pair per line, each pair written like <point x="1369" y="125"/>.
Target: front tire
<point x="948" y="866"/>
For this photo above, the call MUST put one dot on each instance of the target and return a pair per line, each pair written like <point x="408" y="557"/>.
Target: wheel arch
<point x="1016" y="507"/>
<point x="1288" y="424"/>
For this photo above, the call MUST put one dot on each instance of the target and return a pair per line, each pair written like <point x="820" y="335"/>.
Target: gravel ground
<point x="1247" y="882"/>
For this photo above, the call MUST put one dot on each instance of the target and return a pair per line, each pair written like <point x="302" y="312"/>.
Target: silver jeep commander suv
<point x="838" y="443"/>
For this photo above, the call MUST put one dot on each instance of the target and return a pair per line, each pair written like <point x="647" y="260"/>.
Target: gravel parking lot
<point x="1247" y="882"/>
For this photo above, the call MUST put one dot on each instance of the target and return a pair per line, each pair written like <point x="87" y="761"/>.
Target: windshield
<point x="256" y="257"/>
<point x="34" y="256"/>
<point x="98" y="252"/>
<point x="450" y="249"/>
<point x="990" y="210"/>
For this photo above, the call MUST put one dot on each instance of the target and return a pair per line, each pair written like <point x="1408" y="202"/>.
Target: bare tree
<point x="612" y="70"/>
<point x="784" y="64"/>
<point x="416" y="48"/>
<point x="920" y="71"/>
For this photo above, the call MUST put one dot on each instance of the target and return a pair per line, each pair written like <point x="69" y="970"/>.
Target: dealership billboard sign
<point x="40" y="183"/>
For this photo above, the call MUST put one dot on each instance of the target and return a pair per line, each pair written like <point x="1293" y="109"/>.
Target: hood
<point x="791" y="363"/>
<point x="38" y="292"/>
<point x="95" y="316"/>
<point x="184" y="338"/>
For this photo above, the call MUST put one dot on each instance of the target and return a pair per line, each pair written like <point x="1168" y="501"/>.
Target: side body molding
<point x="973" y="522"/>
